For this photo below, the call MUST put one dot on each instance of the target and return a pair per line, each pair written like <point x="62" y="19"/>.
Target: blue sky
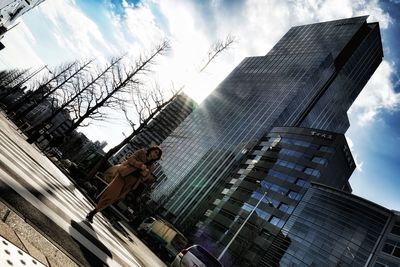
<point x="63" y="30"/>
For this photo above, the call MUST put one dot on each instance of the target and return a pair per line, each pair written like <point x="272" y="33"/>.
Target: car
<point x="195" y="256"/>
<point x="146" y="224"/>
<point x="162" y="237"/>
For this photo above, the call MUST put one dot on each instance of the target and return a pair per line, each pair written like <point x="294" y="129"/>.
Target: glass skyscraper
<point x="309" y="79"/>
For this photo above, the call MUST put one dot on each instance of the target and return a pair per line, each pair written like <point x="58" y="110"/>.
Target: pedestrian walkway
<point x="41" y="194"/>
<point x="11" y="255"/>
<point x="20" y="243"/>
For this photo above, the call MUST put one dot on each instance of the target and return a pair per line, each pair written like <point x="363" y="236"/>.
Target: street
<point x="46" y="198"/>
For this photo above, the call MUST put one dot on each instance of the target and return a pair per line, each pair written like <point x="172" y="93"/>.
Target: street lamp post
<point x="240" y="228"/>
<point x="273" y="144"/>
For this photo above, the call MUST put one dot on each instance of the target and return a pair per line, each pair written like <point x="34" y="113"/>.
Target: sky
<point x="64" y="30"/>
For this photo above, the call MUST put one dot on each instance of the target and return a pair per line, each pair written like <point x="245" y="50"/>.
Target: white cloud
<point x="359" y="164"/>
<point x="75" y="31"/>
<point x="19" y="51"/>
<point x="377" y="95"/>
<point x="189" y="43"/>
<point x="142" y="24"/>
<point x="122" y="41"/>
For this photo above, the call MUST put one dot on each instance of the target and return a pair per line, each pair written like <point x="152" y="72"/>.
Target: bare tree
<point x="66" y="78"/>
<point x="216" y="49"/>
<point x="80" y="87"/>
<point x="43" y="87"/>
<point x="121" y="80"/>
<point x="18" y="82"/>
<point x="10" y="80"/>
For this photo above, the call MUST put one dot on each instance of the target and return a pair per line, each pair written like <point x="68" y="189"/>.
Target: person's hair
<point x="155" y="148"/>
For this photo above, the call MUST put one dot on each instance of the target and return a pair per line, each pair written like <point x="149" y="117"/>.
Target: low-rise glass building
<point x="330" y="227"/>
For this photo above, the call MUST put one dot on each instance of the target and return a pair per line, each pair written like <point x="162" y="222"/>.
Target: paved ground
<point x="49" y="210"/>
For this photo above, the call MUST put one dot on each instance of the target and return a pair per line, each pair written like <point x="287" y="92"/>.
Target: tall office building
<point x="309" y="79"/>
<point x="160" y="127"/>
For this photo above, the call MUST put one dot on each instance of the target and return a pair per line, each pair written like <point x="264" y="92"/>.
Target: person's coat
<point x="124" y="177"/>
<point x="133" y="163"/>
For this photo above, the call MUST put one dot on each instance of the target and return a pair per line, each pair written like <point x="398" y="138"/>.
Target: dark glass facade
<point x="332" y="228"/>
<point x="309" y="79"/>
<point x="388" y="251"/>
<point x="278" y="171"/>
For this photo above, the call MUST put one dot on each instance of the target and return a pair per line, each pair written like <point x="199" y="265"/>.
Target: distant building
<point x="160" y="127"/>
<point x="10" y="10"/>
<point x="278" y="172"/>
<point x="82" y="150"/>
<point x="79" y="149"/>
<point x="90" y="151"/>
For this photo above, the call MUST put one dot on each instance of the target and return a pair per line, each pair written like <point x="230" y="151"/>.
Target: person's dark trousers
<point x="90" y="215"/>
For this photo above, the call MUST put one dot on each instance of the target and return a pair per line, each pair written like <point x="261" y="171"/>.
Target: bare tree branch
<point x="120" y="82"/>
<point x="217" y="48"/>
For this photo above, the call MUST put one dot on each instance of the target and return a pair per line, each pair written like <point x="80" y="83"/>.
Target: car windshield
<point x="205" y="256"/>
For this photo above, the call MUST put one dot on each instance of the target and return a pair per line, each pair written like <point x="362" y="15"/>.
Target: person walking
<point x="127" y="176"/>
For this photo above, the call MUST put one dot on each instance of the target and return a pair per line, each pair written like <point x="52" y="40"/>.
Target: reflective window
<point x="281" y="176"/>
<point x="205" y="256"/>
<point x="297" y="142"/>
<point x="263" y="214"/>
<point x="392" y="247"/>
<point x="286" y="208"/>
<point x="327" y="149"/>
<point x="294" y="195"/>
<point x="380" y="262"/>
<point x="313" y="172"/>
<point x="396" y="229"/>
<point x="247" y="207"/>
<point x="277" y="222"/>
<point x="290" y="165"/>
<point x="233" y="181"/>
<point x="293" y="153"/>
<point x="320" y="160"/>
<point x="274" y="187"/>
<point x="302" y="183"/>
<point x="265" y="198"/>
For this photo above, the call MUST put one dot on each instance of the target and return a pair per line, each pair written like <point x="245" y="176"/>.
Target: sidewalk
<point x="42" y="213"/>
<point x="16" y="231"/>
